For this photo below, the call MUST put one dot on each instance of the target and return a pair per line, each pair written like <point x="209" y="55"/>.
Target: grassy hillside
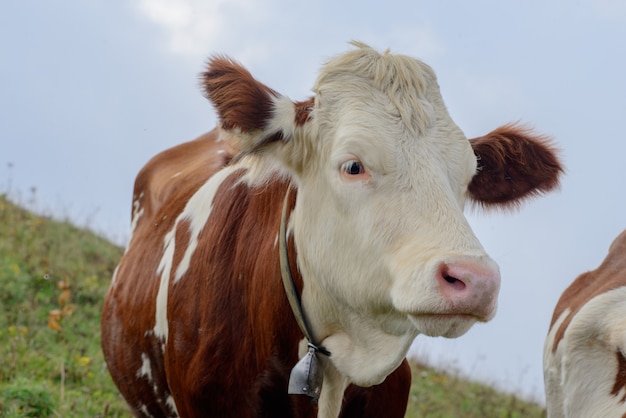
<point x="53" y="277"/>
<point x="436" y="394"/>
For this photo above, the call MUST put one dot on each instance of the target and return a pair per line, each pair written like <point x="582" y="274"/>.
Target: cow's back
<point x="232" y="338"/>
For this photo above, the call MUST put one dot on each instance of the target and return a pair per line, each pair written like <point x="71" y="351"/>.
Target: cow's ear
<point x="255" y="115"/>
<point x="513" y="164"/>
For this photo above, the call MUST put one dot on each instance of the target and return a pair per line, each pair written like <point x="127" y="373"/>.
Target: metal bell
<point x="306" y="376"/>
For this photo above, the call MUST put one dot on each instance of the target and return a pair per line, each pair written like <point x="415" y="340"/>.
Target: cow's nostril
<point x="456" y="283"/>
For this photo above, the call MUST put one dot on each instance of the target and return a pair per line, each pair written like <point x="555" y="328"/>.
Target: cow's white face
<point x="382" y="174"/>
<point x="380" y="213"/>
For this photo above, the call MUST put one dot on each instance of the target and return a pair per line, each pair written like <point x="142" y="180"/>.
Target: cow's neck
<point x="334" y="383"/>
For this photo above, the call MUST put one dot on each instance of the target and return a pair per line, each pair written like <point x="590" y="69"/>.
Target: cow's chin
<point x="443" y="325"/>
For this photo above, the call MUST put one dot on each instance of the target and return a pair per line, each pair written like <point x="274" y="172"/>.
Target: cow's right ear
<point x="257" y="116"/>
<point x="513" y="164"/>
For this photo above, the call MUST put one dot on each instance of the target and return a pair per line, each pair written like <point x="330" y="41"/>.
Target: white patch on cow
<point x="196" y="212"/>
<point x="172" y="404"/>
<point x="114" y="277"/>
<point x="283" y="117"/>
<point x="138" y="211"/>
<point x="176" y="174"/>
<point x="136" y="215"/>
<point x="144" y="410"/>
<point x="161" y="328"/>
<point x="581" y="374"/>
<point x="145" y="370"/>
<point x="260" y="170"/>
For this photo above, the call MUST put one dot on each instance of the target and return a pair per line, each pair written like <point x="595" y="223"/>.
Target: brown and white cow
<point x="196" y="321"/>
<point x="585" y="351"/>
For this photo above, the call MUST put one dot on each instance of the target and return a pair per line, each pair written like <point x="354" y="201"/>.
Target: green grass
<point x="53" y="277"/>
<point x="441" y="395"/>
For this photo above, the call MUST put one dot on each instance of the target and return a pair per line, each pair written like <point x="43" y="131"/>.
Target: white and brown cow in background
<point x="196" y="321"/>
<point x="585" y="351"/>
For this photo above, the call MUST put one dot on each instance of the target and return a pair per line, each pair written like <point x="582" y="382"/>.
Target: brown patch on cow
<point x="620" y="377"/>
<point x="181" y="243"/>
<point x="240" y="100"/>
<point x="303" y="111"/>
<point x="513" y="164"/>
<point x="611" y="274"/>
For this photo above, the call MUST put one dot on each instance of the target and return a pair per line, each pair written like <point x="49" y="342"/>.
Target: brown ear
<point x="255" y="113"/>
<point x="513" y="164"/>
<point x="241" y="101"/>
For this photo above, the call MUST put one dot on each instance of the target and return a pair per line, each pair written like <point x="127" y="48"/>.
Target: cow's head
<point x="383" y="175"/>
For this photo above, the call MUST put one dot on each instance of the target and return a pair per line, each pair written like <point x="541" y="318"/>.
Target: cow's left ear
<point x="513" y="164"/>
<point x="256" y="116"/>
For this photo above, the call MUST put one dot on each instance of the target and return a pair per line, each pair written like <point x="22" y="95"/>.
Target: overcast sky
<point x="90" y="90"/>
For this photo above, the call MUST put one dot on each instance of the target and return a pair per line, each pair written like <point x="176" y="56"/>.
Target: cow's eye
<point x="353" y="168"/>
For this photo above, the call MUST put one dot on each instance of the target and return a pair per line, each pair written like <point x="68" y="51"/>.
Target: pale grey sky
<point x="89" y="91"/>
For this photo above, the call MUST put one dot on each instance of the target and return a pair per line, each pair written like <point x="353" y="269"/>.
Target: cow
<point x="585" y="350"/>
<point x="367" y="180"/>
